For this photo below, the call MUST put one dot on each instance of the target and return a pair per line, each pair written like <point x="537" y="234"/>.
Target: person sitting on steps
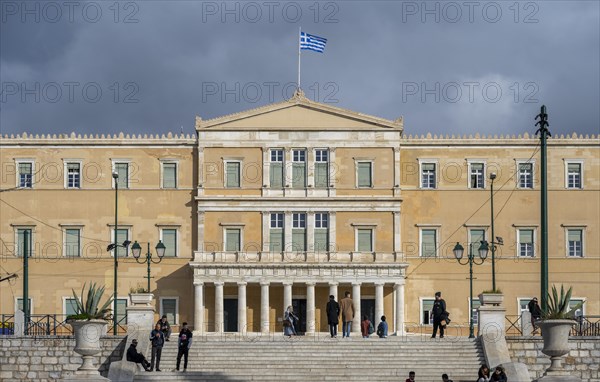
<point x="134" y="356"/>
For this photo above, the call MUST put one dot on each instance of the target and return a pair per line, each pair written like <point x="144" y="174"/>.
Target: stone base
<point x="557" y="377"/>
<point x="84" y="378"/>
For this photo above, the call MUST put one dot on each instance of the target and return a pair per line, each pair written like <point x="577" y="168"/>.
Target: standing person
<point x="333" y="316"/>
<point x="134" y="356"/>
<point x="347" y="308"/>
<point x="165" y="327"/>
<point x="157" y="338"/>
<point x="382" y="328"/>
<point x="365" y="325"/>
<point x="483" y="375"/>
<point x="184" y="343"/>
<point x="438" y="314"/>
<point x="445" y="378"/>
<point x="499" y="375"/>
<point x="536" y="312"/>
<point x="411" y="377"/>
<point x="289" y="322"/>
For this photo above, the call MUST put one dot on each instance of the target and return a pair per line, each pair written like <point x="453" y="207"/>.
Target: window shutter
<point x="121" y="311"/>
<point x="123" y="174"/>
<point x="70" y="306"/>
<point x="276" y="240"/>
<point x="169" y="175"/>
<point x="364" y="174"/>
<point x="233" y="174"/>
<point x="526" y="236"/>
<point x="72" y="243"/>
<point x="574" y="235"/>
<point x="321" y="175"/>
<point x="477" y="235"/>
<point x="121" y="237"/>
<point x="298" y="175"/>
<point x="365" y="240"/>
<point x="299" y="240"/>
<point x="169" y="239"/>
<point x="321" y="240"/>
<point x="574" y="167"/>
<point x="276" y="174"/>
<point x="169" y="308"/>
<point x="232" y="237"/>
<point x="428" y="243"/>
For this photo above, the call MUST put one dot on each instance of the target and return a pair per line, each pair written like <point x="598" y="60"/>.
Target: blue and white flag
<point x="312" y="42"/>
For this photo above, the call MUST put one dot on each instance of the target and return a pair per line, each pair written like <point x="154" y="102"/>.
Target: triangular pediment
<point x="298" y="113"/>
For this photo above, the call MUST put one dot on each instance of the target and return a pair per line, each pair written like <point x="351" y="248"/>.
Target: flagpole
<point x="299" y="50"/>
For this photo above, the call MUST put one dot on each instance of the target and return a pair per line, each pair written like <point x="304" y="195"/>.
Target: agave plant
<point x="88" y="309"/>
<point x="558" y="306"/>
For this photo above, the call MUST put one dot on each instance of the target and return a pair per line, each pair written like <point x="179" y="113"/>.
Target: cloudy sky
<point x="152" y="66"/>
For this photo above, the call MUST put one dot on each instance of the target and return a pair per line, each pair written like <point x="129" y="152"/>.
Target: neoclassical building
<point x="291" y="202"/>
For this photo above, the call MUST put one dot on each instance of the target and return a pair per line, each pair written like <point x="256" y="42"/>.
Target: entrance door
<point x="367" y="308"/>
<point x="299" y="306"/>
<point x="230" y="314"/>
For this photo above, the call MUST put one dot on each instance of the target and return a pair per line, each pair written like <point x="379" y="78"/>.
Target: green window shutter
<point x="122" y="235"/>
<point x="526" y="236"/>
<point x="299" y="240"/>
<point x="233" y="174"/>
<point x="70" y="306"/>
<point x="574" y="235"/>
<point x="364" y="174"/>
<point x="428" y="243"/>
<point x="475" y="237"/>
<point x="169" y="239"/>
<point x="121" y="311"/>
<point x="72" y="243"/>
<point x="276" y="175"/>
<point x="276" y="240"/>
<point x="365" y="240"/>
<point x="169" y="308"/>
<point x="232" y="239"/>
<point x="321" y="175"/>
<point x="574" y="167"/>
<point x="321" y="240"/>
<point x="122" y="170"/>
<point x="25" y="168"/>
<point x="169" y="175"/>
<point x="298" y="175"/>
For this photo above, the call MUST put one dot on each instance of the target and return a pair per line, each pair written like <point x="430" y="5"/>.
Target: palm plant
<point x="558" y="306"/>
<point x="88" y="309"/>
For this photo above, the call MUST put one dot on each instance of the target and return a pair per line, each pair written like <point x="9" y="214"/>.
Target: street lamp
<point x="115" y="176"/>
<point x="136" y="250"/>
<point x="499" y="240"/>
<point x="458" y="253"/>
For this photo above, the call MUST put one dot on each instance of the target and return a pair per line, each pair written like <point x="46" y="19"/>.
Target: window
<point x="523" y="302"/>
<point x="476" y="178"/>
<point x="169" y="175"/>
<point x="475" y="311"/>
<point x="574" y="175"/>
<point x="525" y="175"/>
<point x="428" y="175"/>
<point x="321" y="232"/>
<point x="364" y="174"/>
<point x="169" y="239"/>
<point x="476" y="236"/>
<point x="72" y="242"/>
<point x="276" y="232"/>
<point x="233" y="239"/>
<point x="232" y="174"/>
<point x="299" y="232"/>
<point x="276" y="168"/>
<point x="428" y="242"/>
<point x="20" y="250"/>
<point x="121" y="311"/>
<point x="575" y="242"/>
<point x="73" y="175"/>
<point x="321" y="168"/>
<point x="364" y="240"/>
<point x="19" y="304"/>
<point x="169" y="307"/>
<point x="70" y="306"/>
<point x="25" y="176"/>
<point x="525" y="244"/>
<point x="122" y="235"/>
<point x="298" y="168"/>
<point x="426" y="306"/>
<point x="122" y="169"/>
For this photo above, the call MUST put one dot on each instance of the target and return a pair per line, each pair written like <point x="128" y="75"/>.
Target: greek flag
<point x="312" y="42"/>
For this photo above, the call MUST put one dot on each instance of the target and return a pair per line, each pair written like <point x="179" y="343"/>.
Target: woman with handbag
<point x="289" y="322"/>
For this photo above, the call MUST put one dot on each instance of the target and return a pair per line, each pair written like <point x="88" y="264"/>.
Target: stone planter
<point x="141" y="299"/>
<point x="87" y="343"/>
<point x="491" y="298"/>
<point x="556" y="340"/>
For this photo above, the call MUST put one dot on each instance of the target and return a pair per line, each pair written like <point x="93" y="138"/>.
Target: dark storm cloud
<point x="151" y="66"/>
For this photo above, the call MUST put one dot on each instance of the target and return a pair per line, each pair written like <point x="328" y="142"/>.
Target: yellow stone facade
<point x="375" y="195"/>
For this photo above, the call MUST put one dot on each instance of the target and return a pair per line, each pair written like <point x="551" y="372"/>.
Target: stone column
<point x="219" y="321"/>
<point x="310" y="307"/>
<point x="357" y="313"/>
<point x="242" y="307"/>
<point x="378" y="302"/>
<point x="287" y="294"/>
<point x="264" y="307"/>
<point x="399" y="319"/>
<point x="333" y="172"/>
<point x="333" y="290"/>
<point x="198" y="307"/>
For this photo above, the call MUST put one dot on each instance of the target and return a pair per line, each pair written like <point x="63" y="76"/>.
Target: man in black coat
<point x="134" y="356"/>
<point x="184" y="344"/>
<point x="157" y="338"/>
<point x="438" y="313"/>
<point x="333" y="315"/>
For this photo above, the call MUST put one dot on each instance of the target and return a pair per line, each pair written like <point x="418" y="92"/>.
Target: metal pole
<point x="471" y="332"/>
<point x="493" y="237"/>
<point x="26" y="311"/>
<point x="148" y="257"/>
<point x="544" y="132"/>
<point x="299" y="50"/>
<point x="115" y="324"/>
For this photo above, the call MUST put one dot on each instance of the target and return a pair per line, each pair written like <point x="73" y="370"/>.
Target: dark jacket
<point x="185" y="338"/>
<point x="439" y="309"/>
<point x="534" y="309"/>
<point x="133" y="355"/>
<point x="333" y="312"/>
<point x="499" y="377"/>
<point x="157" y="341"/>
<point x="164" y="326"/>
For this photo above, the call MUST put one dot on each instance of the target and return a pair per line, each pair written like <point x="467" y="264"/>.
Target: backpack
<point x="371" y="328"/>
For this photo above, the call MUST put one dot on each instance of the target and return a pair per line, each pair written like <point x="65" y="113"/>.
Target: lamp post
<point x="498" y="239"/>
<point x="458" y="253"/>
<point x="136" y="250"/>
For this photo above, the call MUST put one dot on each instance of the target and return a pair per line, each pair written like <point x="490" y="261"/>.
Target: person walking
<point x="483" y="375"/>
<point x="411" y="377"/>
<point x="438" y="314"/>
<point x="347" y="308"/>
<point x="365" y="326"/>
<point x="184" y="343"/>
<point x="382" y="328"/>
<point x="165" y="327"/>
<point x="445" y="378"/>
<point x="499" y="375"/>
<point x="333" y="315"/>
<point x="289" y="322"/>
<point x="134" y="356"/>
<point x="536" y="312"/>
<point x="157" y="338"/>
